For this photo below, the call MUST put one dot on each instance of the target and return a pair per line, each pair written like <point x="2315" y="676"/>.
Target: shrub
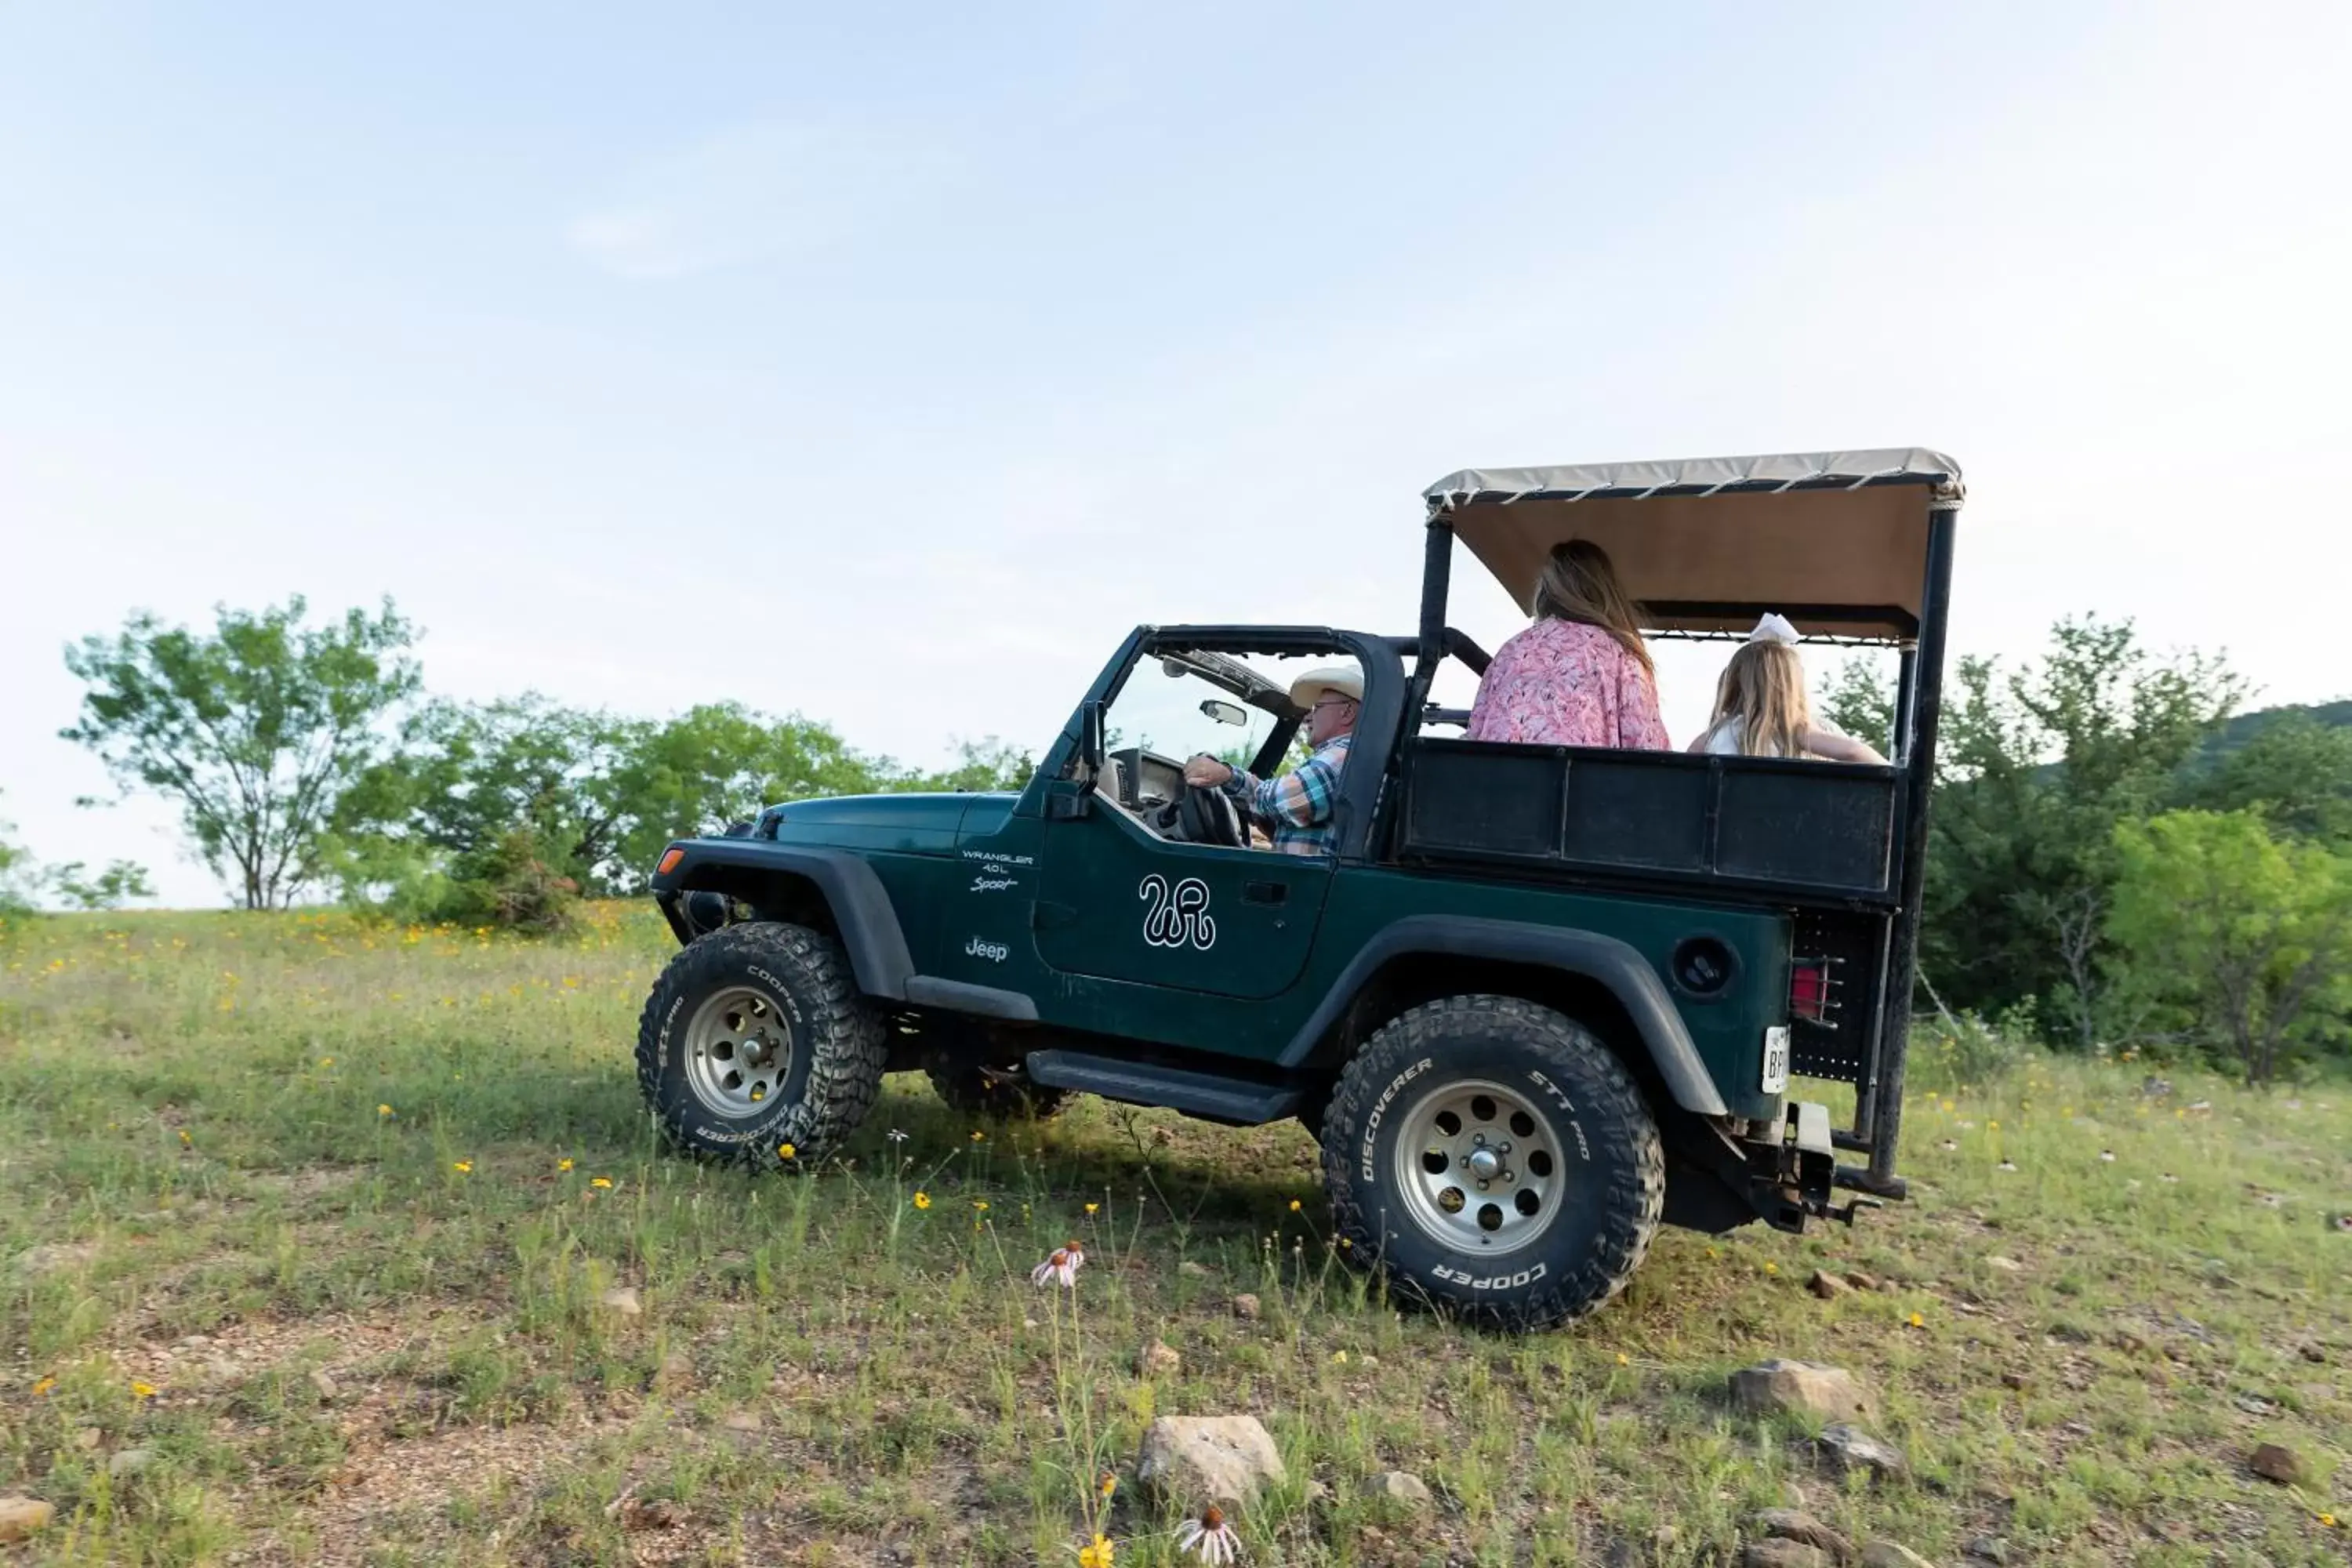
<point x="509" y="884"/>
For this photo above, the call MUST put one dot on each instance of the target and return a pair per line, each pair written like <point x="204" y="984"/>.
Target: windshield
<point x="1171" y="706"/>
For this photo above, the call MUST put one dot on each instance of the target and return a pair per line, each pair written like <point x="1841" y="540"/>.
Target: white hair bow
<point x="1773" y="627"/>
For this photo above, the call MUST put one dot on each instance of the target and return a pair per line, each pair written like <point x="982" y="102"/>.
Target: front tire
<point x="756" y="1041"/>
<point x="1492" y="1157"/>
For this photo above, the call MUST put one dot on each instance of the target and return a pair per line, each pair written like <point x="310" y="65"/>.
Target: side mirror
<point x="1224" y="712"/>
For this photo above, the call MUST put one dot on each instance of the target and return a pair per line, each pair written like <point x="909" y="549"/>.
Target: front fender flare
<point x="860" y="904"/>
<point x="1602" y="958"/>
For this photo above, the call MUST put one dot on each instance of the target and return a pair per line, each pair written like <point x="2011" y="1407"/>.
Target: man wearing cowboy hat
<point x="1296" y="808"/>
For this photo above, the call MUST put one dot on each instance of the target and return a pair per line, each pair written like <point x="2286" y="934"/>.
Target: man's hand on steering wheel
<point x="1204" y="771"/>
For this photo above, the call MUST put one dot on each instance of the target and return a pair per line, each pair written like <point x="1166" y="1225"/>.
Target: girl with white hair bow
<point x="1761" y="710"/>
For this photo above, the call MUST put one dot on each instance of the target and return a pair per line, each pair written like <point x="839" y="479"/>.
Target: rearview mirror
<point x="1224" y="712"/>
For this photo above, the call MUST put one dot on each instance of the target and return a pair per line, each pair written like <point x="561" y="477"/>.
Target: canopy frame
<point x="1917" y="634"/>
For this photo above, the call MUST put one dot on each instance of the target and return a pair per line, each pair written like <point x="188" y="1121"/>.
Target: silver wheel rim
<point x="738" y="1051"/>
<point x="1479" y="1169"/>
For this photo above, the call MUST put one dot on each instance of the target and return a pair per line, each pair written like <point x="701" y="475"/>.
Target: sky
<point x="886" y="365"/>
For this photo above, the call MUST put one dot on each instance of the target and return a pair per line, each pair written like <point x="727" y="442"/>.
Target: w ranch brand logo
<point x="1177" y="916"/>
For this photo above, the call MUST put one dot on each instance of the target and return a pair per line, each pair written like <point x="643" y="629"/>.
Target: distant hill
<point x="2235" y="734"/>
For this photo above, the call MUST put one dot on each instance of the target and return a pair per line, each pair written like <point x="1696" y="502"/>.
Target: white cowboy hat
<point x="1339" y="678"/>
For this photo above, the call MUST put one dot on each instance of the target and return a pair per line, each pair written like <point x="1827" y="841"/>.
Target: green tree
<point x="2246" y="939"/>
<point x="1857" y="699"/>
<point x="2034" y="770"/>
<point x="2294" y="770"/>
<point x="465" y="777"/>
<point x="121" y="881"/>
<point x="720" y="763"/>
<point x="15" y="875"/>
<point x="982" y="765"/>
<point x="254" y="729"/>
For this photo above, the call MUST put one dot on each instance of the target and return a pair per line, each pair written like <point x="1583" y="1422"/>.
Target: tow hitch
<point x="1800" y="1173"/>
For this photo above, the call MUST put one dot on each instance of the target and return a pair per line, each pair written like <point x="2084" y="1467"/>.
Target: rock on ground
<point x="129" y="1461"/>
<point x="1825" y="1284"/>
<point x="1400" y="1486"/>
<point x="1195" y="1270"/>
<point x="1245" y="1305"/>
<point x="2283" y="1465"/>
<point x="622" y="1300"/>
<point x="1985" y="1549"/>
<point x="1188" y="1460"/>
<point x="1779" y="1386"/>
<point x="1849" y="1447"/>
<point x="1778" y="1553"/>
<point x="1891" y="1554"/>
<point x="1160" y="1360"/>
<point x="1790" y="1524"/>
<point x="21" y="1516"/>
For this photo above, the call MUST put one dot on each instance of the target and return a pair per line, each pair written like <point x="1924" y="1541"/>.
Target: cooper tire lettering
<point x="1597" y="1125"/>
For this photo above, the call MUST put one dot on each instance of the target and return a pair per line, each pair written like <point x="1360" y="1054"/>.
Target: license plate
<point x="1776" y="1060"/>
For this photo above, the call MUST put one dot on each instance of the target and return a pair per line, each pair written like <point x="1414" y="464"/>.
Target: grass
<point x="318" y="1220"/>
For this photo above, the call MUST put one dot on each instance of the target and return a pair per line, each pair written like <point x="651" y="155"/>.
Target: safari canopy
<point x="1837" y="541"/>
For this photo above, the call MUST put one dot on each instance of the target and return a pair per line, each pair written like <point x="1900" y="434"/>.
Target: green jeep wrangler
<point x="1532" y="1002"/>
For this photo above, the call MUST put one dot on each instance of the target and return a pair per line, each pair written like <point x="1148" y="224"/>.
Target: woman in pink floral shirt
<point x="1581" y="675"/>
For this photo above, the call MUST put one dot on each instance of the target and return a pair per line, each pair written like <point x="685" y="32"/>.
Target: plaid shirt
<point x="1296" y="808"/>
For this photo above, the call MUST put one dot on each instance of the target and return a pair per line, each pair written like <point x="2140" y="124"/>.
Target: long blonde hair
<point x="1764" y="688"/>
<point x="1579" y="584"/>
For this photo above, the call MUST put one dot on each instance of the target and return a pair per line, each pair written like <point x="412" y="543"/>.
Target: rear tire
<point x="756" y="1041"/>
<point x="1491" y="1157"/>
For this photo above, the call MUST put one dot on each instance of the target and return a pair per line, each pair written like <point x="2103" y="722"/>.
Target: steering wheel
<point x="1208" y="816"/>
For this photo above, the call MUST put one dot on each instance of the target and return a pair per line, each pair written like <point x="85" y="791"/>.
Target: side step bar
<point x="1236" y="1101"/>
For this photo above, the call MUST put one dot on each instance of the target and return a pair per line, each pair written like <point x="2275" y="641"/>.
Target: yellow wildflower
<point x="1338" y="1358"/>
<point x="1094" y="1556"/>
<point x="142" y="1391"/>
<point x="785" y="1151"/>
<point x="326" y="1061"/>
<point x="600" y="1181"/>
<point x="922" y="1200"/>
<point x="383" y="1110"/>
<point x="979" y="1205"/>
<point x="43" y="1387"/>
<point x="978" y="1136"/>
<point x="1107" y="1485"/>
<point x="1624" y="1359"/>
<point x="564" y="1164"/>
<point x="1091" y="1207"/>
<point x="1918" y="1321"/>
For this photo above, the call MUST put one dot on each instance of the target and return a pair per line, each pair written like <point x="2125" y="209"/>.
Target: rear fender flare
<point x="1604" y="960"/>
<point x="860" y="904"/>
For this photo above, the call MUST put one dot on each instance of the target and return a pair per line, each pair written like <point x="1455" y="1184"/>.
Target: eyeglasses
<point x="1332" y="701"/>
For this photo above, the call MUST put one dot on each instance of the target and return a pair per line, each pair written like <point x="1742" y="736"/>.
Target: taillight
<point x="1808" y="990"/>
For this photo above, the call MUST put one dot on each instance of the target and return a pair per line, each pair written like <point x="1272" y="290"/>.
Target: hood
<point x="907" y="824"/>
